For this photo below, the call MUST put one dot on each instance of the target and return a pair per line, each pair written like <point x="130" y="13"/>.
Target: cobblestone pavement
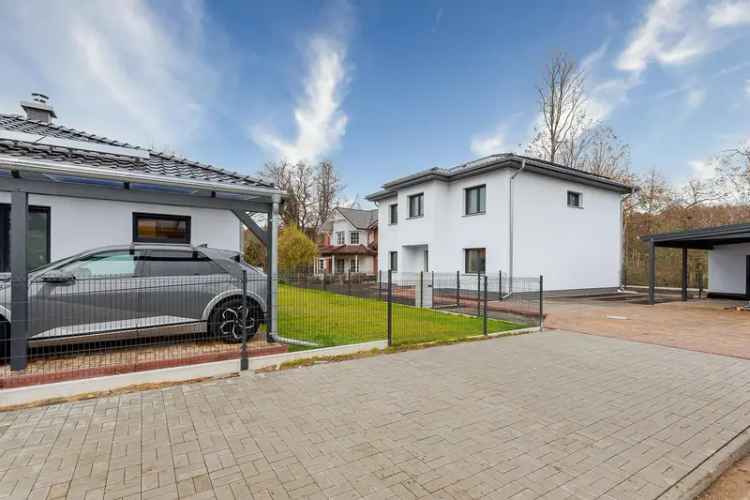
<point x="547" y="415"/>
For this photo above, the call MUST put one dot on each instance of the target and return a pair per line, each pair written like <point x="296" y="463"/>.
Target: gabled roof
<point x="360" y="219"/>
<point x="704" y="238"/>
<point x="496" y="162"/>
<point x="19" y="143"/>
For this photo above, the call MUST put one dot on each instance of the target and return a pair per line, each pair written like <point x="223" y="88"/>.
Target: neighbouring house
<point x="349" y="242"/>
<point x="34" y="149"/>
<point x="505" y="213"/>
<point x="728" y="250"/>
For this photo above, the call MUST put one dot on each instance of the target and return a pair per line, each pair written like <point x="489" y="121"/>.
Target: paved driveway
<point x="547" y="415"/>
<point x="698" y="325"/>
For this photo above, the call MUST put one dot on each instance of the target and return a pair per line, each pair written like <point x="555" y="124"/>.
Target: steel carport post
<point x="651" y="272"/>
<point x="19" y="309"/>
<point x="684" y="274"/>
<point x="244" y="364"/>
<point x="272" y="270"/>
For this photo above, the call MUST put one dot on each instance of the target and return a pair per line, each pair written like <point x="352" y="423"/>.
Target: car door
<point x="103" y="294"/>
<point x="181" y="284"/>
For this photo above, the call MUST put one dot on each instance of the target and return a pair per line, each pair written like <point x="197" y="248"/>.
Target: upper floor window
<point x="393" y="214"/>
<point x="476" y="200"/>
<point x="416" y="205"/>
<point x="158" y="228"/>
<point x="341" y="238"/>
<point x="354" y="237"/>
<point x="475" y="260"/>
<point x="575" y="200"/>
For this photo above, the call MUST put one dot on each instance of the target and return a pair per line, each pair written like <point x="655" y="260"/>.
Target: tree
<point x="328" y="190"/>
<point x="560" y="97"/>
<point x="733" y="172"/>
<point x="602" y="153"/>
<point x="297" y="252"/>
<point x="255" y="250"/>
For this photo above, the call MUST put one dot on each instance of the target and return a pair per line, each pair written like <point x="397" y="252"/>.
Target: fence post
<point x="380" y="285"/>
<point x="458" y="288"/>
<point x="541" y="303"/>
<point x="390" y="308"/>
<point x="484" y="323"/>
<point x="349" y="282"/>
<point x="479" y="295"/>
<point x="244" y="364"/>
<point x="500" y="285"/>
<point x="421" y="289"/>
<point x="433" y="289"/>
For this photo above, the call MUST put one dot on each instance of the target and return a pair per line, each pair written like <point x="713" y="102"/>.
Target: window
<point x="354" y="265"/>
<point x="340" y="265"/>
<point x="416" y="205"/>
<point x="393" y="219"/>
<point x="120" y="263"/>
<point x="38" y="249"/>
<point x="156" y="228"/>
<point x="179" y="263"/>
<point x="354" y="237"/>
<point x="475" y="259"/>
<point x="393" y="261"/>
<point x="476" y="200"/>
<point x="340" y="238"/>
<point x="575" y="200"/>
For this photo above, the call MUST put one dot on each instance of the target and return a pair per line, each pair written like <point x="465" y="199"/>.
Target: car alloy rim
<point x="231" y="322"/>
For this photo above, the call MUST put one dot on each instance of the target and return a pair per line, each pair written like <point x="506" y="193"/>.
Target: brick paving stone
<point x="553" y="416"/>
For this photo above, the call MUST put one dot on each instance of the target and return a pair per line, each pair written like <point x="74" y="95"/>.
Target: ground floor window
<point x="38" y="245"/>
<point x="340" y="266"/>
<point x="354" y="265"/>
<point x="393" y="261"/>
<point x="475" y="260"/>
<point x="159" y="228"/>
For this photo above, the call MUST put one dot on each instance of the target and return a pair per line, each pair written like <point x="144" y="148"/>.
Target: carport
<point x="23" y="176"/>
<point x="711" y="239"/>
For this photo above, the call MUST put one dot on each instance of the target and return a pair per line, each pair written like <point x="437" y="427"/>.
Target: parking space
<point x="547" y="415"/>
<point x="710" y="326"/>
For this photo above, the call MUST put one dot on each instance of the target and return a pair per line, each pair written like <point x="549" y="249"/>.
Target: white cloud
<point x="703" y="169"/>
<point x="119" y="69"/>
<point x="669" y="34"/>
<point x="695" y="98"/>
<point x="318" y="115"/>
<point x="729" y="13"/>
<point x="495" y="142"/>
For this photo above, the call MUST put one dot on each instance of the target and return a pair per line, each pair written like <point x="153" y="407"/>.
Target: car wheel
<point x="4" y="340"/>
<point x="226" y="320"/>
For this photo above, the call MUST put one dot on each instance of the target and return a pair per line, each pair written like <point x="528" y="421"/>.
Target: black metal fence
<point x="103" y="325"/>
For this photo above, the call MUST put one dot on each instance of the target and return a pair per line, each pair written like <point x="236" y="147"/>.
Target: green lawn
<point x="329" y="319"/>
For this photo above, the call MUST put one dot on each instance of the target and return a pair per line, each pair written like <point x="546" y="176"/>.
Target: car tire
<point x="4" y="340"/>
<point x="225" y="320"/>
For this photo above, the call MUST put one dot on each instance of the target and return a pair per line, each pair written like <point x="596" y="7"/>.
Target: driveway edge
<point x="701" y="477"/>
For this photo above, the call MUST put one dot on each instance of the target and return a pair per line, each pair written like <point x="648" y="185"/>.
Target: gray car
<point x="138" y="290"/>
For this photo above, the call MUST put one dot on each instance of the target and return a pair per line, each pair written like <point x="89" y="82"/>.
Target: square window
<point x="475" y="260"/>
<point x="416" y="205"/>
<point x="476" y="200"/>
<point x="158" y="228"/>
<point x="575" y="200"/>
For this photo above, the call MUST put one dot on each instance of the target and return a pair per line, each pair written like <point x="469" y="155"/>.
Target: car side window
<point x="180" y="263"/>
<point x="116" y="263"/>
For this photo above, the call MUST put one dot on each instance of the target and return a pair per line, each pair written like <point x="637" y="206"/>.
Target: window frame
<point x="393" y="214"/>
<point x="467" y="193"/>
<point x="5" y="250"/>
<point x="416" y="196"/>
<point x="340" y="238"/>
<point x="146" y="215"/>
<point x="351" y="241"/>
<point x="391" y="260"/>
<point x="483" y="256"/>
<point x="579" y="196"/>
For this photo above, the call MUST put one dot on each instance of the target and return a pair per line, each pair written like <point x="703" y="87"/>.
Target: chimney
<point x="38" y="108"/>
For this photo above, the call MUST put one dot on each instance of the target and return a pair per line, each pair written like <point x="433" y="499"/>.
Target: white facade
<point x="574" y="248"/>
<point x="727" y="269"/>
<point x="78" y="224"/>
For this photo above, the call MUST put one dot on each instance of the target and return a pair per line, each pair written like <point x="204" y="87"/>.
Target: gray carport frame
<point x="699" y="239"/>
<point x="28" y="176"/>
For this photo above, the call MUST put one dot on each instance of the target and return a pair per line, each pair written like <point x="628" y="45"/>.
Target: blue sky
<point x="382" y="88"/>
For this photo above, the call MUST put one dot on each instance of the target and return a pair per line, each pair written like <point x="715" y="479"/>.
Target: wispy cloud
<point x="319" y="116"/>
<point x="494" y="142"/>
<point x="121" y="69"/>
<point x="729" y="13"/>
<point x="695" y="98"/>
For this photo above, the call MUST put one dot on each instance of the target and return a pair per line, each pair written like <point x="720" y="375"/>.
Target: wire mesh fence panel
<point x="93" y="325"/>
<point x="515" y="298"/>
<point x="327" y="310"/>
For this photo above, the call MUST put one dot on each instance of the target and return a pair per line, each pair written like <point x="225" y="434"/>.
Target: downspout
<point x="510" y="227"/>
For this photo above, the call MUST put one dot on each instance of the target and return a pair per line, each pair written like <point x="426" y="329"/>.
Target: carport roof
<point x="705" y="238"/>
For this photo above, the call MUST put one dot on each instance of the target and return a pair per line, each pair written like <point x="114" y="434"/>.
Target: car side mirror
<point x="58" y="277"/>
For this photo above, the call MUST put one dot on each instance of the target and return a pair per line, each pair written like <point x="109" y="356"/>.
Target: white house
<point x="350" y="242"/>
<point x="522" y="216"/>
<point x="34" y="149"/>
